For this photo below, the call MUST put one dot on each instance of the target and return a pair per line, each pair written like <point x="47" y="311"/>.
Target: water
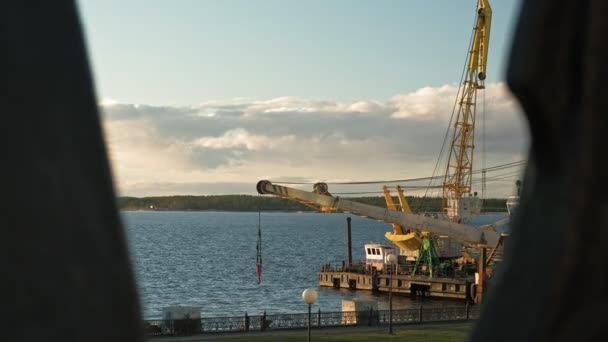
<point x="208" y="259"/>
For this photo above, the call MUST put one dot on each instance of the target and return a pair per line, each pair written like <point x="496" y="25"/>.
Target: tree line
<point x="271" y="203"/>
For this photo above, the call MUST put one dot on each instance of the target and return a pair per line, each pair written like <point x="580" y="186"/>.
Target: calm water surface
<point x="208" y="259"/>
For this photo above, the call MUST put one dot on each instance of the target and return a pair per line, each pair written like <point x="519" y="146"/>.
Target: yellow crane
<point x="459" y="204"/>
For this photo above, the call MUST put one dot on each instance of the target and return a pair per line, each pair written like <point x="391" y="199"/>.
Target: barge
<point x="374" y="274"/>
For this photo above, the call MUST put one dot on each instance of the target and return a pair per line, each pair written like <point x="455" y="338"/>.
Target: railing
<point x="319" y="319"/>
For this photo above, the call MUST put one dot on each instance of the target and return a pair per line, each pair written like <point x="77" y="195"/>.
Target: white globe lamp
<point x="309" y="296"/>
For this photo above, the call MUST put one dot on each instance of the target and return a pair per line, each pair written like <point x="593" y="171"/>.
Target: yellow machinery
<point x="408" y="242"/>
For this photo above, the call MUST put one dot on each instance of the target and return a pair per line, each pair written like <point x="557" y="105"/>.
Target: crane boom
<point x="462" y="233"/>
<point x="481" y="39"/>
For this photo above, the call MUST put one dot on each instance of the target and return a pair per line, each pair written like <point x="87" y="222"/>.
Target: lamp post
<point x="391" y="259"/>
<point x="309" y="296"/>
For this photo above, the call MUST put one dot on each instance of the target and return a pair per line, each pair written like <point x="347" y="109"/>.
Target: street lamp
<point x="391" y="259"/>
<point x="309" y="296"/>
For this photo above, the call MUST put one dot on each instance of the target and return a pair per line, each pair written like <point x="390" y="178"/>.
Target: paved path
<point x="316" y="331"/>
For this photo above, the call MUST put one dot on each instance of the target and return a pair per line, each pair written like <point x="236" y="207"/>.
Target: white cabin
<point x="464" y="209"/>
<point x="375" y="254"/>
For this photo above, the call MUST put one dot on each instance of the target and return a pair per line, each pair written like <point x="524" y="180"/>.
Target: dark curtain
<point x="553" y="284"/>
<point x="66" y="270"/>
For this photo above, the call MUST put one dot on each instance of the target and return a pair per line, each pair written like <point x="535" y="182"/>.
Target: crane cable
<point x="258" y="263"/>
<point x="493" y="168"/>
<point x="483" y="147"/>
<point x="501" y="177"/>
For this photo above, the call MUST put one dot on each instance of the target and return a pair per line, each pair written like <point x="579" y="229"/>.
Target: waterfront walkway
<point x="442" y="331"/>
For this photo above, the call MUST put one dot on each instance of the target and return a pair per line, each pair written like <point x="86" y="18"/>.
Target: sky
<point x="208" y="97"/>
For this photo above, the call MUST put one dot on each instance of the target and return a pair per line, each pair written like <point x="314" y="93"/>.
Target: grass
<point x="434" y="333"/>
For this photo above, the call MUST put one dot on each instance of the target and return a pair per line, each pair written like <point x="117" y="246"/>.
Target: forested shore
<point x="269" y="203"/>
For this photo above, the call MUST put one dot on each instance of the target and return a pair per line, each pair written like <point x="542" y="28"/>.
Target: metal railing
<point x="319" y="319"/>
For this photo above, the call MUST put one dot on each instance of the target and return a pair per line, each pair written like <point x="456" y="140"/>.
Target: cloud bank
<point x="221" y="147"/>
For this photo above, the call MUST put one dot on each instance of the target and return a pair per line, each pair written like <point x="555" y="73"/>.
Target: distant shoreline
<point x="250" y="203"/>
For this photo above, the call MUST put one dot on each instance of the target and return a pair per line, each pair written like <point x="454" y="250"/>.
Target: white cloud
<point x="164" y="150"/>
<point x="424" y="102"/>
<point x="288" y="104"/>
<point x="239" y="137"/>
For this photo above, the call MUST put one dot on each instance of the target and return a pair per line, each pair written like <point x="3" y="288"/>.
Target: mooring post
<point x="370" y="316"/>
<point x="263" y="322"/>
<point x="420" y="313"/>
<point x="246" y="322"/>
<point x="349" y="242"/>
<point x="467" y="309"/>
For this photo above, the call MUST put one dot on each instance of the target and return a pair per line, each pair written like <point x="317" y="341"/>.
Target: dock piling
<point x="349" y="242"/>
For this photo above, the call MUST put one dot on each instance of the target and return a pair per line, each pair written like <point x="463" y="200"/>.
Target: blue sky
<point x="208" y="97"/>
<point x="189" y="51"/>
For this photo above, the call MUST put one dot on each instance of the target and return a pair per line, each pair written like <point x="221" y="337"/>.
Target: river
<point x="207" y="259"/>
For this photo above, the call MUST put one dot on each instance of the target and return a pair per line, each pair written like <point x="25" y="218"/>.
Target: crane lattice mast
<point x="458" y="175"/>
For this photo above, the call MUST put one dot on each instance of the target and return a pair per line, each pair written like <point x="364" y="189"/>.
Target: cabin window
<point x="386" y="280"/>
<point x="374" y="251"/>
<point x="399" y="283"/>
<point x="457" y="287"/>
<point x="369" y="251"/>
<point x="378" y="251"/>
<point x="444" y="286"/>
